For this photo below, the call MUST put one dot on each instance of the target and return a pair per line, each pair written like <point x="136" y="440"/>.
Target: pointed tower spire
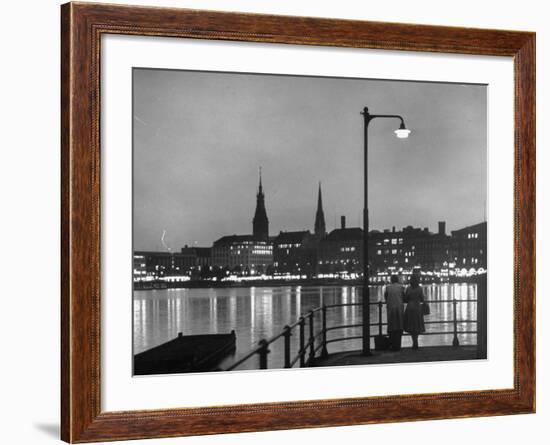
<point x="260" y="223"/>
<point x="320" y="228"/>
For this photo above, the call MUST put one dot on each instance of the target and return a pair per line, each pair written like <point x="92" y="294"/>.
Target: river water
<point x="261" y="312"/>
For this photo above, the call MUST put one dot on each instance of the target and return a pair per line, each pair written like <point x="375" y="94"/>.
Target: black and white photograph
<point x="233" y="222"/>
<point x="284" y="221"/>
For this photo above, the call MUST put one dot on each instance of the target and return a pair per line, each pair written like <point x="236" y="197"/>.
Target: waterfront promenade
<point x="405" y="355"/>
<point x="316" y="336"/>
<point x="296" y="326"/>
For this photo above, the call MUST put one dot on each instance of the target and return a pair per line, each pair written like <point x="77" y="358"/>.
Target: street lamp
<point x="402" y="133"/>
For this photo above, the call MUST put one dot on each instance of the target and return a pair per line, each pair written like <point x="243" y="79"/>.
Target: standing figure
<point x="394" y="305"/>
<point x="414" y="319"/>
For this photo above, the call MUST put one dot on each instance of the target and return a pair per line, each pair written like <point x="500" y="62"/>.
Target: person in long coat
<point x="394" y="306"/>
<point x="414" y="318"/>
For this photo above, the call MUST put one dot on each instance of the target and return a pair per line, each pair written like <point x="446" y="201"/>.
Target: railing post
<point x="380" y="318"/>
<point x="455" y="327"/>
<point x="287" y="334"/>
<point x="481" y="325"/>
<point x="302" y="341"/>
<point x="324" y="351"/>
<point x="311" y="339"/>
<point x="263" y="353"/>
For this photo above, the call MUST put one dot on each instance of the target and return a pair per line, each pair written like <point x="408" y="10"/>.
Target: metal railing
<point x="317" y="340"/>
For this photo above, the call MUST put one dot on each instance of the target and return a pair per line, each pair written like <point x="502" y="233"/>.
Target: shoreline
<point x="161" y="285"/>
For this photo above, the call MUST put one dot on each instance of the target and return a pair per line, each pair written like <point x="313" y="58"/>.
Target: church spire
<point x="260" y="223"/>
<point x="320" y="228"/>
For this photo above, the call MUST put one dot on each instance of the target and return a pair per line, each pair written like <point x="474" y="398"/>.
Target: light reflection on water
<point x="262" y="312"/>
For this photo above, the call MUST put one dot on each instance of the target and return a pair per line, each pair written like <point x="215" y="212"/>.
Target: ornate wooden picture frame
<point x="82" y="27"/>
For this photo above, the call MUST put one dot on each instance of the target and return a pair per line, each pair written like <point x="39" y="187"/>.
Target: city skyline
<point x="204" y="192"/>
<point x="337" y="225"/>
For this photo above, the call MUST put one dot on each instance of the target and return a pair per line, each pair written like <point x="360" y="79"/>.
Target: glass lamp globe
<point x="402" y="132"/>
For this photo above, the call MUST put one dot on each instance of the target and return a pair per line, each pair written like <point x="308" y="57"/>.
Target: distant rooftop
<point x="348" y="234"/>
<point x="479" y="226"/>
<point x="291" y="237"/>
<point x="228" y="239"/>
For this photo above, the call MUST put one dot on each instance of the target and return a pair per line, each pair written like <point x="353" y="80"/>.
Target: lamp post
<point x="401" y="133"/>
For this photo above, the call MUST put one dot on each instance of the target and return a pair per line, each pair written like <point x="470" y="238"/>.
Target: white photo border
<point x="120" y="391"/>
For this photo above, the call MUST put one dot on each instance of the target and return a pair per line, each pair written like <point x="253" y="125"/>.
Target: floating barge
<point x="186" y="353"/>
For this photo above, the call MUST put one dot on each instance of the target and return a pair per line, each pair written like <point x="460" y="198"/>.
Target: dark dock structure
<point x="186" y="353"/>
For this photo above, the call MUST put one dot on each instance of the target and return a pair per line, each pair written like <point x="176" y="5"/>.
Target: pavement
<point x="405" y="355"/>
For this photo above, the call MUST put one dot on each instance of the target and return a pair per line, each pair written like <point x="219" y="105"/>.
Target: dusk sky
<point x="199" y="139"/>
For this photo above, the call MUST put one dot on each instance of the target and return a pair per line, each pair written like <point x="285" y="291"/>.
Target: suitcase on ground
<point x="382" y="343"/>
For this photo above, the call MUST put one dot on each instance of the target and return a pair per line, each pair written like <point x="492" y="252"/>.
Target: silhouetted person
<point x="394" y="298"/>
<point x="414" y="319"/>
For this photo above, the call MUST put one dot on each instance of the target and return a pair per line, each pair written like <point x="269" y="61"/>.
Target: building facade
<point x="243" y="254"/>
<point x="150" y="265"/>
<point x="195" y="260"/>
<point x="341" y="252"/>
<point x="140" y="267"/>
<point x="462" y="253"/>
<point x="409" y="248"/>
<point x="294" y="254"/>
<point x="469" y="247"/>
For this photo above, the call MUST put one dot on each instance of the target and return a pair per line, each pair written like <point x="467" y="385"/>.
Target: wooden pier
<point x="186" y="353"/>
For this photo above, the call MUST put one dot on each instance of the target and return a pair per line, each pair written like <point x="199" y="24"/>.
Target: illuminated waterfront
<point x="262" y="312"/>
